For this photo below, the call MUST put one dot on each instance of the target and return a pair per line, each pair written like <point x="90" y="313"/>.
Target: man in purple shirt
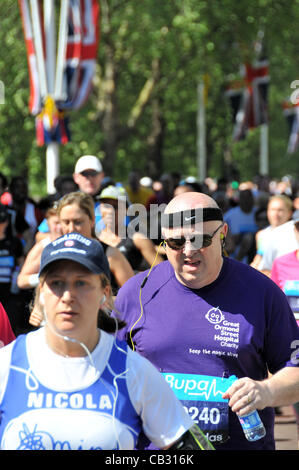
<point x="205" y="320"/>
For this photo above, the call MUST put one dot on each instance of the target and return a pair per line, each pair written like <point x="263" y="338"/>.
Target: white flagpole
<point x="38" y="42"/>
<point x="52" y="152"/>
<point x="61" y="53"/>
<point x="50" y="36"/>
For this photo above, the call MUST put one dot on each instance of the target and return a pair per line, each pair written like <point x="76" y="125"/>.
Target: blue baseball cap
<point x="74" y="247"/>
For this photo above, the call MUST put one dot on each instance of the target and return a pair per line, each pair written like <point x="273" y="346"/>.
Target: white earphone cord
<point x="85" y="348"/>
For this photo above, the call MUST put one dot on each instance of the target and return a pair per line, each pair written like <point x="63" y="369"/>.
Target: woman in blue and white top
<point x="71" y="385"/>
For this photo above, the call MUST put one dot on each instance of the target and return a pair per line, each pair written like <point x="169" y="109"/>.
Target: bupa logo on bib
<point x="214" y="315"/>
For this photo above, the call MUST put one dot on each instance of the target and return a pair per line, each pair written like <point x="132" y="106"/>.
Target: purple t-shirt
<point x="200" y="338"/>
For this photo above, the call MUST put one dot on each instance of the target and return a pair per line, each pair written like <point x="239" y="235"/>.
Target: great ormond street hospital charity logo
<point x="214" y="315"/>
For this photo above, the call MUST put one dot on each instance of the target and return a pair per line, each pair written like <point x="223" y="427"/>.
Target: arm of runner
<point x="193" y="439"/>
<point x="282" y="388"/>
<point x="28" y="274"/>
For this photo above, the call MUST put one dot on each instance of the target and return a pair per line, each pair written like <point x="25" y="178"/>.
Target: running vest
<point x="34" y="417"/>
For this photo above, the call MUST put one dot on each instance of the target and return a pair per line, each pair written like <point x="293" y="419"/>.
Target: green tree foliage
<point x="142" y="110"/>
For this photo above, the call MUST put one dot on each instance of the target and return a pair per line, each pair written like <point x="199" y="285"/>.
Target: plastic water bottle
<point x="252" y="426"/>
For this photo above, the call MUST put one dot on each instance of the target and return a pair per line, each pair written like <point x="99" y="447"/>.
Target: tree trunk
<point x="154" y="167"/>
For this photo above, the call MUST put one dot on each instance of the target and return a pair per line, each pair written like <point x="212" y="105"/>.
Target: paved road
<point x="285" y="431"/>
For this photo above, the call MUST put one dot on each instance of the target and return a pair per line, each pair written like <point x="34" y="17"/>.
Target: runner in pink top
<point x="285" y="273"/>
<point x="6" y="333"/>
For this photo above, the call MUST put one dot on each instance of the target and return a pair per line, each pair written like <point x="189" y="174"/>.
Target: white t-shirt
<point x="281" y="240"/>
<point x="164" y="419"/>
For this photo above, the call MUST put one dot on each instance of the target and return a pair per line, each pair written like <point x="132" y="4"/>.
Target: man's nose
<point x="188" y="248"/>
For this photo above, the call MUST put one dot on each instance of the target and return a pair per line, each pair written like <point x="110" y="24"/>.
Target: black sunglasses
<point x="88" y="173"/>
<point x="198" y="240"/>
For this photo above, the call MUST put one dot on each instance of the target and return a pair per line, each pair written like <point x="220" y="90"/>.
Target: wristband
<point x="33" y="280"/>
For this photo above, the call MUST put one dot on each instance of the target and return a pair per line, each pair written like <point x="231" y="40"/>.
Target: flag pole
<point x="264" y="150"/>
<point x="201" y="132"/>
<point x="38" y="43"/>
<point x="61" y="53"/>
<point x="52" y="150"/>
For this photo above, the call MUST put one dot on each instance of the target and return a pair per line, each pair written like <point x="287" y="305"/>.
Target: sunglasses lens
<point x="88" y="173"/>
<point x="176" y="243"/>
<point x="206" y="240"/>
<point x="197" y="241"/>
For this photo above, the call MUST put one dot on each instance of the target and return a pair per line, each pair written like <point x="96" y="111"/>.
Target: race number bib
<point x="291" y="290"/>
<point x="201" y="396"/>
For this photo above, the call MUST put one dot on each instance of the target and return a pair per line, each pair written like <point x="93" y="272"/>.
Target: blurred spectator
<point x="88" y="176"/>
<point x="63" y="184"/>
<point x="279" y="211"/>
<point x="261" y="202"/>
<point x="222" y="194"/>
<point x="137" y="193"/>
<point x="285" y="273"/>
<point x="106" y="181"/>
<point x="163" y="193"/>
<point x="25" y="205"/>
<point x="240" y="241"/>
<point x="146" y="181"/>
<point x="233" y="193"/>
<point x="136" y="247"/>
<point x="28" y="277"/>
<point x="6" y="333"/>
<point x="182" y="188"/>
<point x="189" y="184"/>
<point x="211" y="184"/>
<point x="296" y="200"/>
<point x="163" y="190"/>
<point x="11" y="260"/>
<point x="281" y="240"/>
<point x="285" y="185"/>
<point x="5" y="197"/>
<point x="221" y="188"/>
<point x="17" y="225"/>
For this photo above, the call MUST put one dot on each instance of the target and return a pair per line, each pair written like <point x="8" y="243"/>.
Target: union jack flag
<point x="248" y="98"/>
<point x="78" y="41"/>
<point x="35" y="102"/>
<point x="82" y="45"/>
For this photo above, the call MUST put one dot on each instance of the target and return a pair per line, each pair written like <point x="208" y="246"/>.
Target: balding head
<point x="188" y="209"/>
<point x="190" y="200"/>
<point x="188" y="220"/>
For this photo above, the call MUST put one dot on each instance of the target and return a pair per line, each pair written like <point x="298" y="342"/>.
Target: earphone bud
<point x="221" y="236"/>
<point x="104" y="298"/>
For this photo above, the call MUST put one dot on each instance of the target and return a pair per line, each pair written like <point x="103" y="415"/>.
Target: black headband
<point x="190" y="217"/>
